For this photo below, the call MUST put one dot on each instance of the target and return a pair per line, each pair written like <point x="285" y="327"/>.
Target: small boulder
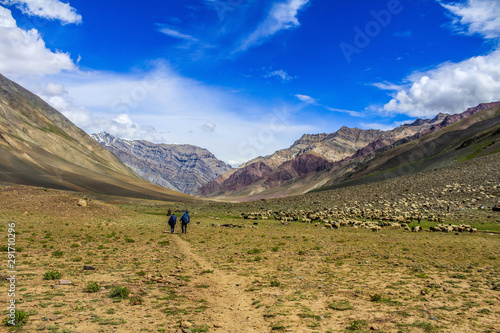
<point x="88" y="268"/>
<point x="65" y="282"/>
<point x="186" y="324"/>
<point x="82" y="203"/>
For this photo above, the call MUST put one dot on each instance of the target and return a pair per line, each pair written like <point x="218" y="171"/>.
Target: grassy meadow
<point x="257" y="276"/>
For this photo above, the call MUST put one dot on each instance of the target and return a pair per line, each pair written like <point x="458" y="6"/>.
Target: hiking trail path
<point x="230" y="307"/>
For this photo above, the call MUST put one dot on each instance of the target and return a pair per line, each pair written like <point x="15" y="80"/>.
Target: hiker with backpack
<point x="172" y="222"/>
<point x="185" y="220"/>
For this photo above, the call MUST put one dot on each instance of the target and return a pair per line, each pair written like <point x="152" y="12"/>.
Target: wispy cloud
<point x="313" y="101"/>
<point x="387" y="86"/>
<point x="176" y="34"/>
<point x="307" y="99"/>
<point x="349" y="112"/>
<point x="476" y="17"/>
<point x="48" y="9"/>
<point x="280" y="74"/>
<point x="282" y="16"/>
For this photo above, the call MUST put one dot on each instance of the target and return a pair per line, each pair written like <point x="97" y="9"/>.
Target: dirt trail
<point x="230" y="307"/>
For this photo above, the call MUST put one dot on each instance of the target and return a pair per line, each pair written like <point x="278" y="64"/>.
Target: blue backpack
<point x="185" y="218"/>
<point x="173" y="220"/>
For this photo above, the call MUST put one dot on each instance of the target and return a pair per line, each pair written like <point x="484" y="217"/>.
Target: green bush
<point x="93" y="287"/>
<point x="357" y="325"/>
<point x="119" y="292"/>
<point x="21" y="318"/>
<point x="57" y="254"/>
<point x="275" y="283"/>
<point x="52" y="275"/>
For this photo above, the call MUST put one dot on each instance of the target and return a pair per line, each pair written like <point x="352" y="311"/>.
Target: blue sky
<point x="244" y="78"/>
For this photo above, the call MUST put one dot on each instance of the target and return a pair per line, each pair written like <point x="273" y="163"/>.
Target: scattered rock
<point x="186" y="324"/>
<point x="88" y="268"/>
<point x="65" y="282"/>
<point x="82" y="203"/>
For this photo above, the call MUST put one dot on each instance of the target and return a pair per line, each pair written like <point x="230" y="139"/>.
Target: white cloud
<point x="454" y="87"/>
<point x="283" y="16"/>
<point x="176" y="34"/>
<point x="48" y="9"/>
<point x="181" y="110"/>
<point x="307" y="99"/>
<point x="209" y="127"/>
<point x="120" y="125"/>
<point x="6" y="19"/>
<point x="124" y="119"/>
<point x="478" y="16"/>
<point x="450" y="88"/>
<point x="24" y="51"/>
<point x="53" y="89"/>
<point x="280" y="74"/>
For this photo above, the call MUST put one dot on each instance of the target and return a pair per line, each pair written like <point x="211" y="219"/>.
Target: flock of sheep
<point x="373" y="219"/>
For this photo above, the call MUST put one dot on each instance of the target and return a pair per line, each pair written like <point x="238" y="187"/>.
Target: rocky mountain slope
<point x="41" y="147"/>
<point x="474" y="133"/>
<point x="182" y="168"/>
<point x="323" y="159"/>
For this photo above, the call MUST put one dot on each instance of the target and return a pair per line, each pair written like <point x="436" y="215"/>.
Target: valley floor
<point x="250" y="276"/>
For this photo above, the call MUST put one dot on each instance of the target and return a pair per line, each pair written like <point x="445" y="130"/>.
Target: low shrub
<point x="52" y="275"/>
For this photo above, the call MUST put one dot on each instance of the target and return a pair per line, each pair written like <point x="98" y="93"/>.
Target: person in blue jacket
<point x="172" y="222"/>
<point x="185" y="220"/>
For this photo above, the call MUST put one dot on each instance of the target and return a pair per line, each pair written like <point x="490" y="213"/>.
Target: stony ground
<point x="257" y="278"/>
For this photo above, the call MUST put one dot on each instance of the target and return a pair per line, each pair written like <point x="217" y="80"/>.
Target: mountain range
<point x="183" y="168"/>
<point x="319" y="160"/>
<point x="41" y="147"/>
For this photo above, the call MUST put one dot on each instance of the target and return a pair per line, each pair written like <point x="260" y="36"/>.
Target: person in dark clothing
<point x="172" y="222"/>
<point x="169" y="212"/>
<point x="185" y="220"/>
